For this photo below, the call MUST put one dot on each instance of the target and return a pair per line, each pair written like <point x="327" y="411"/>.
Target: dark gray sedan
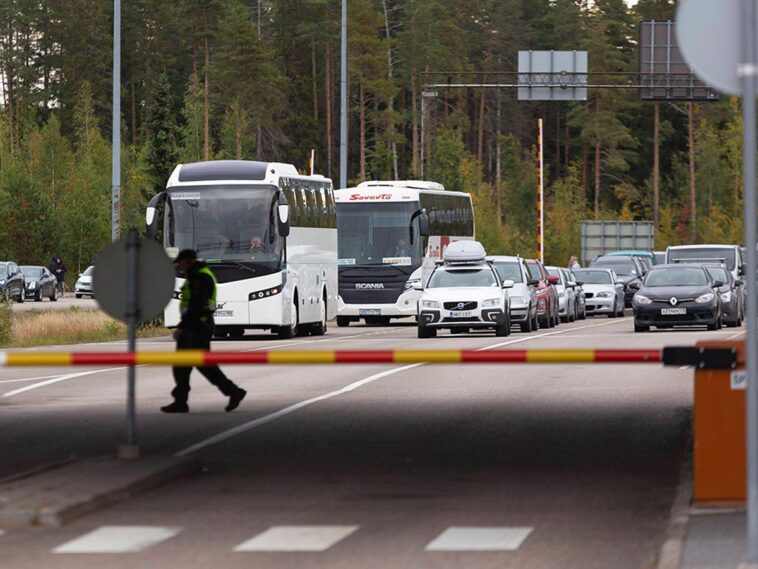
<point x="678" y="295"/>
<point x="40" y="283"/>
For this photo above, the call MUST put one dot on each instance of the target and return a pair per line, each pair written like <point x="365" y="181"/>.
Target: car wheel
<point x="21" y="296"/>
<point x="424" y="332"/>
<point x="53" y="296"/>
<point x="504" y="329"/>
<point x="343" y="321"/>
<point x="613" y="312"/>
<point x="714" y="326"/>
<point x="641" y="328"/>
<point x="38" y="296"/>
<point x="526" y="327"/>
<point x="78" y="295"/>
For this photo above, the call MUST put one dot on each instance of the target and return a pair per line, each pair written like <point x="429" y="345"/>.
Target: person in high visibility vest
<point x="194" y="331"/>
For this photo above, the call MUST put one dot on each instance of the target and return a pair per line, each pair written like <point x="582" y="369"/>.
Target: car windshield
<point x="374" y="233"/>
<point x="89" y="271"/>
<point x="32" y="272"/>
<point x="445" y="278"/>
<point x="718" y="274"/>
<point x="677" y="276"/>
<point x="509" y="271"/>
<point x="226" y="223"/>
<point x="625" y="268"/>
<point x="593" y="277"/>
<point x="724" y="254"/>
<point x="3" y="270"/>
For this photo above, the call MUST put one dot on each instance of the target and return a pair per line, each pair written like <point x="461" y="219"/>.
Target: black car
<point x="40" y="283"/>
<point x="629" y="269"/>
<point x="678" y="295"/>
<point x="11" y="281"/>
<point x="731" y="299"/>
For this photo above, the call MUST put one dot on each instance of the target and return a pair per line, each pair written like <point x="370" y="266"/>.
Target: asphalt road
<point x="539" y="466"/>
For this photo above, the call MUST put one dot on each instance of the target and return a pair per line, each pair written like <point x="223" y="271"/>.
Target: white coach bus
<point x="390" y="235"/>
<point x="267" y="233"/>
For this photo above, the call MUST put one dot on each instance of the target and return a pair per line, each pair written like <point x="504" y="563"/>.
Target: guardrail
<point x="701" y="358"/>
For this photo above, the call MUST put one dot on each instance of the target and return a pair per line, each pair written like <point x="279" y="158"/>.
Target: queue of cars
<point x="693" y="286"/>
<point x="35" y="282"/>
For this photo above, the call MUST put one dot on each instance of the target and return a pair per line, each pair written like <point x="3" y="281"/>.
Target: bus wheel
<point x="343" y="321"/>
<point x="289" y="331"/>
<point x="319" y="328"/>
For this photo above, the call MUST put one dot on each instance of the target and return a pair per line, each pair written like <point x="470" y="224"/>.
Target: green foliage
<point x="566" y="208"/>
<point x="162" y="151"/>
<point x="6" y="321"/>
<point x="449" y="155"/>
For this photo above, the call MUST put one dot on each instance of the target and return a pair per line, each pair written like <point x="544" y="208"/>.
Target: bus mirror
<point x="283" y="211"/>
<point x="151" y="219"/>
<point x="423" y="224"/>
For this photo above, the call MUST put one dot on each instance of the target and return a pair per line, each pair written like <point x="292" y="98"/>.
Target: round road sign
<point x="709" y="35"/>
<point x="111" y="275"/>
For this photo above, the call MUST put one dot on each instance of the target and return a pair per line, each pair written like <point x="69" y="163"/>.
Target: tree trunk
<point x="656" y="164"/>
<point x="557" y="173"/>
<point x="567" y="138"/>
<point x="498" y="199"/>
<point x="315" y="79"/>
<point x="238" y="132"/>
<point x="414" y="126"/>
<point x="134" y="110"/>
<point x="362" y="119"/>
<point x="206" y="104"/>
<point x="391" y="110"/>
<point x="480" y="133"/>
<point x="693" y="198"/>
<point x="329" y="102"/>
<point x="585" y="166"/>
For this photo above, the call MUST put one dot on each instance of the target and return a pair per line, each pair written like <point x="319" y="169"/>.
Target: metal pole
<point x="748" y="72"/>
<point x="540" y="197"/>
<point x="343" y="100"/>
<point x="116" y="141"/>
<point x="131" y="450"/>
<point x="423" y="137"/>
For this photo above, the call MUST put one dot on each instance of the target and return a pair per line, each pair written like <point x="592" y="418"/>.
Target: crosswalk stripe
<point x="297" y="538"/>
<point x="480" y="539"/>
<point x="118" y="539"/>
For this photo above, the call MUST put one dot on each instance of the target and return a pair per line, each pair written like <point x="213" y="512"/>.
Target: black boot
<point x="235" y="399"/>
<point x="176" y="407"/>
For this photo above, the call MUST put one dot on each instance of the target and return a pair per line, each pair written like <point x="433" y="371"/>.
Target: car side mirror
<point x="635" y="285"/>
<point x="718" y="284"/>
<point x="553" y="280"/>
<point x="579" y="283"/>
<point x="571" y="284"/>
<point x="743" y="270"/>
<point x="619" y="282"/>
<point x="739" y="282"/>
<point x="508" y="283"/>
<point x="533" y="282"/>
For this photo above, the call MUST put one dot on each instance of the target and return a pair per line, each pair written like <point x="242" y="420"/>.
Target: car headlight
<point x="519" y="301"/>
<point x="2" y="282"/>
<point x="430" y="304"/>
<point x="703" y="298"/>
<point x="604" y="294"/>
<point x="642" y="299"/>
<point x="32" y="285"/>
<point x="410" y="283"/>
<point x="491" y="303"/>
<point x="726" y="296"/>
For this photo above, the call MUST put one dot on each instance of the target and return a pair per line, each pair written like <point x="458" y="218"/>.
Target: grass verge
<point x="72" y="326"/>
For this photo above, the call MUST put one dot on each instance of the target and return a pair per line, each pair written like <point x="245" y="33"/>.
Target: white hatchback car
<point x="464" y="293"/>
<point x="83" y="285"/>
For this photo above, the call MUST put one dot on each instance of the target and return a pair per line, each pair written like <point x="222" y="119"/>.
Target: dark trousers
<point x="198" y="338"/>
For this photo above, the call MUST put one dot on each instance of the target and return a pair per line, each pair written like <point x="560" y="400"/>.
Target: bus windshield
<point x="377" y="234"/>
<point x="230" y="223"/>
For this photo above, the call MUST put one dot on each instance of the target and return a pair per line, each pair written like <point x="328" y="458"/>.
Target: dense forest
<point x="259" y="79"/>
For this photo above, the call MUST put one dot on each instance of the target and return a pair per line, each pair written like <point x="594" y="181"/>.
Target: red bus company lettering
<point x="358" y="197"/>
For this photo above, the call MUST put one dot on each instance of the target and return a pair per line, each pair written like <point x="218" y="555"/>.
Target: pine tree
<point x="162" y="151"/>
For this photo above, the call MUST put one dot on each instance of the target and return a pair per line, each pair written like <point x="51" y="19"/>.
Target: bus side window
<point x="331" y="207"/>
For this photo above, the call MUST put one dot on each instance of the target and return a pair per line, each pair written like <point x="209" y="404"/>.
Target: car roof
<point x="501" y="258"/>
<point x="677" y="266"/>
<point x="631" y="252"/>
<point x="704" y="246"/>
<point x="597" y="269"/>
<point x="617" y="258"/>
<point x="31" y="266"/>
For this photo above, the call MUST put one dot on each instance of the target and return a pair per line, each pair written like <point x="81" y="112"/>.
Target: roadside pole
<point x="540" y="195"/>
<point x="116" y="140"/>
<point x="130" y="449"/>
<point x="343" y="99"/>
<point x="747" y="72"/>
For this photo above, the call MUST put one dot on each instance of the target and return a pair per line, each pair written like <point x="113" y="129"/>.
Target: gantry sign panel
<point x="663" y="71"/>
<point x="552" y="75"/>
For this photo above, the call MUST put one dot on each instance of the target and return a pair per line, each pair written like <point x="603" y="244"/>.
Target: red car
<point x="547" y="296"/>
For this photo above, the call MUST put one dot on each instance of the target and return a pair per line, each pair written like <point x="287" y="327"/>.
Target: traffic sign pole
<point x="747" y="71"/>
<point x="131" y="450"/>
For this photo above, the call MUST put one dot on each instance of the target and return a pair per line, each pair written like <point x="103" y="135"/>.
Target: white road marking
<point x="255" y="423"/>
<point x="118" y="539"/>
<point x="737" y="335"/>
<point x="297" y="538"/>
<point x="24" y="379"/>
<point x="58" y="380"/>
<point x="480" y="539"/>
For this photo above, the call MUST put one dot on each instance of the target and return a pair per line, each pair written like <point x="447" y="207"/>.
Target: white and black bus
<point x="390" y="235"/>
<point x="267" y="233"/>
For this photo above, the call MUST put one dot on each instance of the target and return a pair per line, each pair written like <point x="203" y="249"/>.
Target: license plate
<point x="223" y="313"/>
<point x="461" y="314"/>
<point x="369" y="312"/>
<point x="673" y="311"/>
